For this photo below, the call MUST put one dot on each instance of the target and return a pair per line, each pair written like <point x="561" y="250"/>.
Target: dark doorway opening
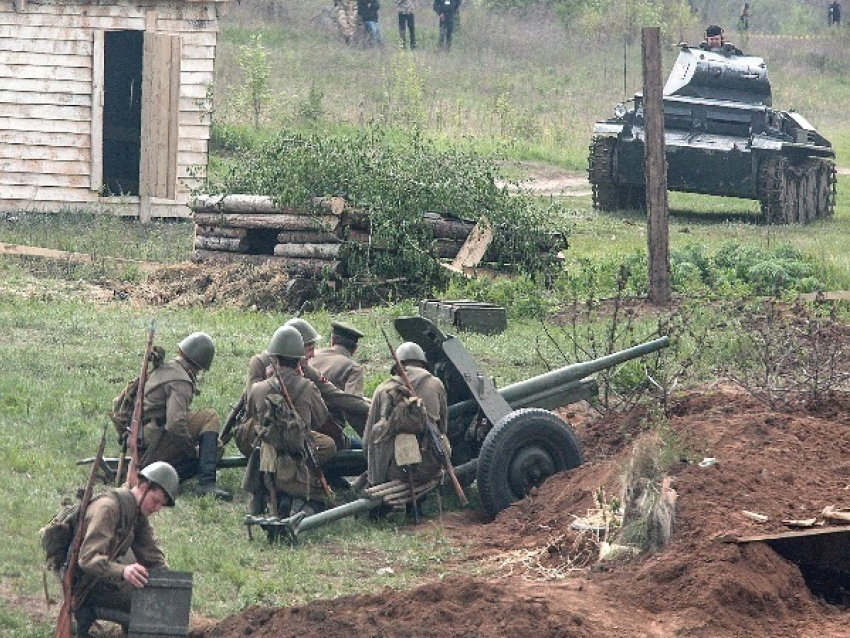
<point x="122" y="111"/>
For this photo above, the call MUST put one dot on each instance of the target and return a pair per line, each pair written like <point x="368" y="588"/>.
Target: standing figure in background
<point x="368" y="10"/>
<point x="446" y="11"/>
<point x="406" y="20"/>
<point x="834" y="13"/>
<point x="744" y="24"/>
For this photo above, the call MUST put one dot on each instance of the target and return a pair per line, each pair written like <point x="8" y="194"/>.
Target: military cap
<point x="713" y="30"/>
<point x="346" y="330"/>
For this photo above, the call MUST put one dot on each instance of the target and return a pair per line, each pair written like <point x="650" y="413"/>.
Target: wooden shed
<point x="105" y="105"/>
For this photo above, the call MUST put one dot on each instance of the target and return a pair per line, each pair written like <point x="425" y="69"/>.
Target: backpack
<point x="121" y="413"/>
<point x="283" y="428"/>
<point x="408" y="414"/>
<point x="57" y="535"/>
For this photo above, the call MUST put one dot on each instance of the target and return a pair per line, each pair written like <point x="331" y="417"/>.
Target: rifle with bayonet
<point x="431" y="427"/>
<point x="69" y="602"/>
<point x="131" y="440"/>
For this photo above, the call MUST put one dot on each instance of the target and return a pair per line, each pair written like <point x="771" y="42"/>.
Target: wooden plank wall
<point x="46" y="105"/>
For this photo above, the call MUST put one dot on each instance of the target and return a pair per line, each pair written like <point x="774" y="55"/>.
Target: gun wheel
<point x="524" y="449"/>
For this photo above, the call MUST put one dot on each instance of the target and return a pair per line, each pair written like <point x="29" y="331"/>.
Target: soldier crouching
<point x="283" y="410"/>
<point x="398" y="420"/>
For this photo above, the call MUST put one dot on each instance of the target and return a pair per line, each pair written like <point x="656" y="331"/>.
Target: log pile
<point x="253" y="229"/>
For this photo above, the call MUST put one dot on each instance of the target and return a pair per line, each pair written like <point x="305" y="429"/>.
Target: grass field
<point x="527" y="87"/>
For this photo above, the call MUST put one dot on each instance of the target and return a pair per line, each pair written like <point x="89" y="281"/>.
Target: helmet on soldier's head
<point x="308" y="333"/>
<point x="165" y="476"/>
<point x="199" y="349"/>
<point x="409" y="351"/>
<point x="713" y="31"/>
<point x="286" y="342"/>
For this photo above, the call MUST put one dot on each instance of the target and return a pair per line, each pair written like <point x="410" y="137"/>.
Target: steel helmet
<point x="165" y="476"/>
<point x="308" y="333"/>
<point x="409" y="351"/>
<point x="199" y="349"/>
<point x="286" y="342"/>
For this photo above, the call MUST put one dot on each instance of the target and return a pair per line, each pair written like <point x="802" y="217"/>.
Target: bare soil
<point x="528" y="573"/>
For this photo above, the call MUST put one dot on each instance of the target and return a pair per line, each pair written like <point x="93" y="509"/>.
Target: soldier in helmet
<point x="296" y="485"/>
<point x="344" y="406"/>
<point x="117" y="523"/>
<point x="187" y="440"/>
<point x="386" y="421"/>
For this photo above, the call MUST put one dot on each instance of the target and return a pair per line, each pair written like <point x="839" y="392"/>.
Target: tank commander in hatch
<point x="715" y="40"/>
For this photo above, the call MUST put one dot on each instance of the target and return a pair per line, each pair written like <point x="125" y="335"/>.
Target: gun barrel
<point x="562" y="386"/>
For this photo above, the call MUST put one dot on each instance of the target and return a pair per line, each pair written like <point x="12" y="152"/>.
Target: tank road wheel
<point x="524" y="449"/>
<point x="773" y="190"/>
<point x="607" y="194"/>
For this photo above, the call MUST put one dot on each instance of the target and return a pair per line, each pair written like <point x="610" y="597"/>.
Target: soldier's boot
<point x="84" y="618"/>
<point x="207" y="462"/>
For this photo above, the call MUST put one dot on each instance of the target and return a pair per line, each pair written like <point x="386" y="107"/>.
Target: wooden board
<point x="474" y="248"/>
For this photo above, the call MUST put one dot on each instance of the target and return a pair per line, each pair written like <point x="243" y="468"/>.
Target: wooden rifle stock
<point x="308" y="448"/>
<point x="236" y="413"/>
<point x="66" y="611"/>
<point x="433" y="431"/>
<point x="136" y="421"/>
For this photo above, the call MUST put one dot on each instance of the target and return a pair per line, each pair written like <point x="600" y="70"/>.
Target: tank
<point x="722" y="137"/>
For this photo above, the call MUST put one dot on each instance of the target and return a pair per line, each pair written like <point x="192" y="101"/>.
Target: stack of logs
<point x="253" y="229"/>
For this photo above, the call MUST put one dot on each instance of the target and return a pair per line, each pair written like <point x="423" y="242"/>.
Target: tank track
<point x="607" y="194"/>
<point x="796" y="192"/>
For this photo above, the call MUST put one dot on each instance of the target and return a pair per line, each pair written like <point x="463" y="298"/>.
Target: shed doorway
<point x="122" y="111"/>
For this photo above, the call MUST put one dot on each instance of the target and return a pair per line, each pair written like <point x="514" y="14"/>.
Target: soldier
<point x="117" y="523"/>
<point x="346" y="404"/>
<point x="187" y="440"/>
<point x="336" y="362"/>
<point x="386" y="421"/>
<point x="295" y="484"/>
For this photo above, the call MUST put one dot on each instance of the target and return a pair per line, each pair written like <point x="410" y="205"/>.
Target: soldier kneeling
<point x="397" y="422"/>
<point x="284" y="409"/>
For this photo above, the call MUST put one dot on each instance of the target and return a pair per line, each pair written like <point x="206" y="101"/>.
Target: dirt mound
<point x="243" y="286"/>
<point x="540" y="576"/>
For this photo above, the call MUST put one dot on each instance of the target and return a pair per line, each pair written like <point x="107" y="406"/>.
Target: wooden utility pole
<point x="655" y="162"/>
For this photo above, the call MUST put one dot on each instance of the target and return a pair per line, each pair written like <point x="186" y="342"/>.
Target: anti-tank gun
<point x="722" y="137"/>
<point x="506" y="439"/>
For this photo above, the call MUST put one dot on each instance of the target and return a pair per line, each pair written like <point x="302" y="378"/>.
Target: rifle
<point x="312" y="461"/>
<point x="431" y="426"/>
<point x="235" y="416"/>
<point x="63" y="622"/>
<point x="132" y="439"/>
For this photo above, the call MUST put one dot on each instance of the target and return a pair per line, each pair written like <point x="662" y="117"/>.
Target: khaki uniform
<point x="338" y="367"/>
<point x="171" y="431"/>
<point x="340" y="381"/>
<point x="259" y="369"/>
<point x="381" y="451"/>
<point x="115" y="526"/>
<point x="292" y="474"/>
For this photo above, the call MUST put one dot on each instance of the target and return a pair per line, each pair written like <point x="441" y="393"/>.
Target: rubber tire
<point x="524" y="449"/>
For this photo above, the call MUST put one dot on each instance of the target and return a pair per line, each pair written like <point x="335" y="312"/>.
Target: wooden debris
<point x="761" y="518"/>
<point x="840" y="514"/>
<point x="474" y="248"/>
<point x="803" y="522"/>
